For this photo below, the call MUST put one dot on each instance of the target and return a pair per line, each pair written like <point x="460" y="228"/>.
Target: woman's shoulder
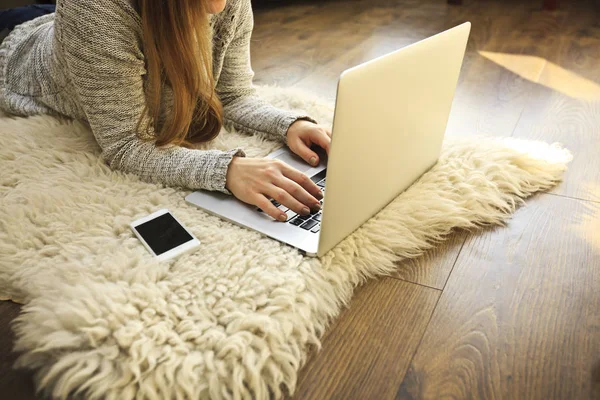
<point x="235" y="13"/>
<point x="108" y="30"/>
<point x="102" y="13"/>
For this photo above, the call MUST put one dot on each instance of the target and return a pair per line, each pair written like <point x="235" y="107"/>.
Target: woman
<point x="153" y="78"/>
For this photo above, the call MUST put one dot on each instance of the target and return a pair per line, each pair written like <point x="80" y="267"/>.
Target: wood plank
<point x="366" y="351"/>
<point x="14" y="384"/>
<point x="575" y="124"/>
<point x="320" y="14"/>
<point x="519" y="316"/>
<point x="324" y="79"/>
<point x="568" y="109"/>
<point x="490" y="99"/>
<point x="433" y="268"/>
<point x="390" y="27"/>
<point x="287" y="56"/>
<point x="288" y="43"/>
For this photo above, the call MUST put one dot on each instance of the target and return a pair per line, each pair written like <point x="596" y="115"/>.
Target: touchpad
<point x="294" y="161"/>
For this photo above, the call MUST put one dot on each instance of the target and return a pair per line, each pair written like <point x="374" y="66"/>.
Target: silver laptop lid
<point x="390" y="117"/>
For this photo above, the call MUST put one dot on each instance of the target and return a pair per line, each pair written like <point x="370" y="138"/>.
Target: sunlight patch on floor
<point x="588" y="228"/>
<point x="546" y="73"/>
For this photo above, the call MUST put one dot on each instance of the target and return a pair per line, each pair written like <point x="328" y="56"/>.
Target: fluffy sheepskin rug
<point x="235" y="319"/>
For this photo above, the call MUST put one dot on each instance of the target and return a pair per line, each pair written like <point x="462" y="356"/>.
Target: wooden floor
<point x="507" y="313"/>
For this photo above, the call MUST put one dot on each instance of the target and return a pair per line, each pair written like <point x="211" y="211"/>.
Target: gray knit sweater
<point x="86" y="61"/>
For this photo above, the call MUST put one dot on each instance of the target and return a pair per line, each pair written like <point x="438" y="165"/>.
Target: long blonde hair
<point x="178" y="51"/>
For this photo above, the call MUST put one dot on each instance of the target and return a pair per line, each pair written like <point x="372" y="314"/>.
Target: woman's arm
<point x="101" y="44"/>
<point x="244" y="110"/>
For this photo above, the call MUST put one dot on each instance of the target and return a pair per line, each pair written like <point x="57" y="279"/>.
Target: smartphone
<point x="163" y="235"/>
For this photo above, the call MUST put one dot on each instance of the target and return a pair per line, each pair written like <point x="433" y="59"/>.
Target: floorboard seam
<point x="572" y="198"/>
<point x="455" y="261"/>
<point x="414" y="283"/>
<point x="419" y="344"/>
<point x="432" y="312"/>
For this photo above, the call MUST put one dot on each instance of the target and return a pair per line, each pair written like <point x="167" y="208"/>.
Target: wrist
<point x="229" y="173"/>
<point x="297" y="122"/>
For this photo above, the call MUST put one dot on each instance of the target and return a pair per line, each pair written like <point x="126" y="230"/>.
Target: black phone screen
<point x="163" y="233"/>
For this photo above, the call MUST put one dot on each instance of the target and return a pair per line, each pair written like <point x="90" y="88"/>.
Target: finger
<point x="300" y="194"/>
<point x="283" y="197"/>
<point x="303" y="180"/>
<point x="322" y="140"/>
<point x="307" y="154"/>
<point x="265" y="204"/>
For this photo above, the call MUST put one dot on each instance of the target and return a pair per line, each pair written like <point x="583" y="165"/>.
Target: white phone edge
<point x="174" y="252"/>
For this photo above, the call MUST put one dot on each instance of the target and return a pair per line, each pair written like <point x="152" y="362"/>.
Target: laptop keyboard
<point x="311" y="222"/>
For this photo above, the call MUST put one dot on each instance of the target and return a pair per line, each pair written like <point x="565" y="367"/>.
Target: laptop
<point x="390" y="117"/>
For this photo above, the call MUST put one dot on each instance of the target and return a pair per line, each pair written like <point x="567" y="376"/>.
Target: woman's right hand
<point x="257" y="180"/>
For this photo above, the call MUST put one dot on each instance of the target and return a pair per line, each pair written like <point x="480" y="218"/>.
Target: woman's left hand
<point x="303" y="134"/>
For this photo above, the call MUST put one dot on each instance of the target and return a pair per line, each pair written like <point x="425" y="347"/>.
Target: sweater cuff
<point x="285" y="123"/>
<point x="219" y="170"/>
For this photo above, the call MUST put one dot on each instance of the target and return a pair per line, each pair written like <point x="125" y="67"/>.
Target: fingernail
<point x="319" y="195"/>
<point x="317" y="206"/>
<point x="313" y="161"/>
<point x="283" y="217"/>
<point x="305" y="211"/>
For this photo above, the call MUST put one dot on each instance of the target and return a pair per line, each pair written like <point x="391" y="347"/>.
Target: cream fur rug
<point x="234" y="320"/>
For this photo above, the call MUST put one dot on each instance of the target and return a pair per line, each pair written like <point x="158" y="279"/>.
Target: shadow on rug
<point x="235" y="319"/>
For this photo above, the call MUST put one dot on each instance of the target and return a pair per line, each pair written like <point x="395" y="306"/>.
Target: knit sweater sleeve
<point x="244" y="109"/>
<point x="101" y="45"/>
